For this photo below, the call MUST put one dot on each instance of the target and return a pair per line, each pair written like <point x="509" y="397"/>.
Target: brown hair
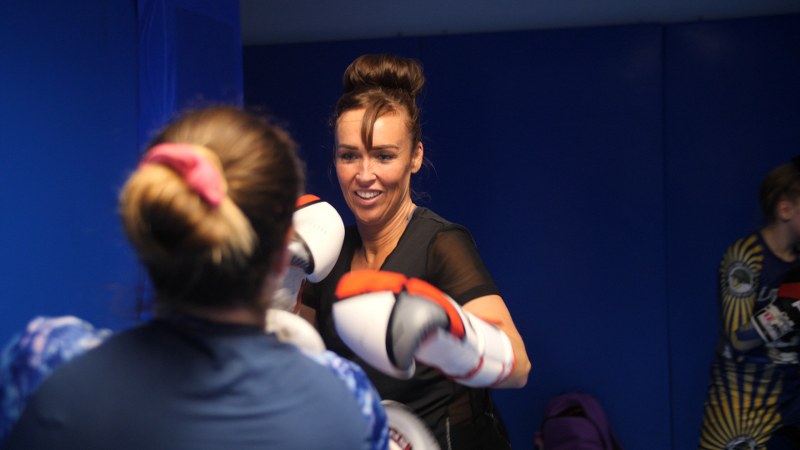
<point x="201" y="255"/>
<point x="382" y="84"/>
<point x="781" y="183"/>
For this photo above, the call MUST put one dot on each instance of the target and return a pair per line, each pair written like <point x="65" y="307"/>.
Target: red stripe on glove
<point x="360" y="282"/>
<point x="789" y="290"/>
<point x="306" y="200"/>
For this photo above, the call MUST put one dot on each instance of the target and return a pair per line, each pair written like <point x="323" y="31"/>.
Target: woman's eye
<point x="385" y="157"/>
<point x="347" y="156"/>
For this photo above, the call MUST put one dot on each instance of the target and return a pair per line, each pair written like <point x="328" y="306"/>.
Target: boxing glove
<point x="781" y="316"/>
<point x="295" y="330"/>
<point x="392" y="322"/>
<point x="406" y="429"/>
<point x="313" y="248"/>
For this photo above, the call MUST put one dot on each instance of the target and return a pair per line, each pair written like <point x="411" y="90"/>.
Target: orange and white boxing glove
<point x="392" y="321"/>
<point x="314" y="248"/>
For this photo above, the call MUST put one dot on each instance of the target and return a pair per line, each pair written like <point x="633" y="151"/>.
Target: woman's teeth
<point x="367" y="195"/>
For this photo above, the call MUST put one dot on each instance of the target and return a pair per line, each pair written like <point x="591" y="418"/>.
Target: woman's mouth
<point x="367" y="195"/>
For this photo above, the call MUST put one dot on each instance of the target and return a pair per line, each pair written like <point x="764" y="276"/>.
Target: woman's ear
<point x="416" y="158"/>
<point x="785" y="210"/>
<point x="280" y="265"/>
<point x="283" y="260"/>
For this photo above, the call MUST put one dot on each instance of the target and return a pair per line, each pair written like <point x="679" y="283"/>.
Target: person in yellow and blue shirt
<point x="752" y="400"/>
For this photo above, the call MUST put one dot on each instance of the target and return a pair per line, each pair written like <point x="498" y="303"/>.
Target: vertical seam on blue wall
<point x="137" y="75"/>
<point x="665" y="228"/>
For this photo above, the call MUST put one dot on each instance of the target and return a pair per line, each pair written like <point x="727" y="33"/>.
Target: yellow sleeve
<point x="740" y="271"/>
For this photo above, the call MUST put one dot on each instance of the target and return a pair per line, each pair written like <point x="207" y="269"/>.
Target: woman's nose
<point x="365" y="173"/>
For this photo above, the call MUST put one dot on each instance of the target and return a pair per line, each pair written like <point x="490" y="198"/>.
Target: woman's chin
<point x="367" y="218"/>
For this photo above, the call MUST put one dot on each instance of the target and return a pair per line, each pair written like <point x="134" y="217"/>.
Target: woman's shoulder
<point x="747" y="244"/>
<point x="428" y="216"/>
<point x="752" y="238"/>
<point x="742" y="261"/>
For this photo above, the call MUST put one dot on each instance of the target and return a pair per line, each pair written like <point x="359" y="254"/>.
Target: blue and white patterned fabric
<point x="31" y="355"/>
<point x="366" y="395"/>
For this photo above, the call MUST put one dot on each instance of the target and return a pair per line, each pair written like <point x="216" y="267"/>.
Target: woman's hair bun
<point x="382" y="71"/>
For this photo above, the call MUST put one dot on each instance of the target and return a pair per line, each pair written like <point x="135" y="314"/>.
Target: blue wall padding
<point x="68" y="107"/>
<point x="74" y="120"/>
<point x="584" y="161"/>
<point x="190" y="55"/>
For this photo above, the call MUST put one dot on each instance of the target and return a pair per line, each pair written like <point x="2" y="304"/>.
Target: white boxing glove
<point x="781" y="317"/>
<point x="314" y="248"/>
<point x="391" y="321"/>
<point x="406" y="429"/>
<point x="295" y="330"/>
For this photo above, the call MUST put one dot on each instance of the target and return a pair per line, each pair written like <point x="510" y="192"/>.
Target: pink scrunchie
<point x="200" y="174"/>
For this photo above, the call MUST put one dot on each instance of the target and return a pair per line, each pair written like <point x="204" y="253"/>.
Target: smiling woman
<point x="378" y="149"/>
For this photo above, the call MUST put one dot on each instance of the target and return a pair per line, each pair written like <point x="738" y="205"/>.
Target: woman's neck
<point x="378" y="242"/>
<point x="780" y="241"/>
<point x="238" y="315"/>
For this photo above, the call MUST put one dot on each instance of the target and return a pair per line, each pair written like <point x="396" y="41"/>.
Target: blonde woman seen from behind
<point x="208" y="211"/>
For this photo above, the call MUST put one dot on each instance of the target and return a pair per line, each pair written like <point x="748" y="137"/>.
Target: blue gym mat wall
<point x="84" y="86"/>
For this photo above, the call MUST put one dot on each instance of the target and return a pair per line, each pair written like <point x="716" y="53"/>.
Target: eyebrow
<point x="374" y="147"/>
<point x="385" y="147"/>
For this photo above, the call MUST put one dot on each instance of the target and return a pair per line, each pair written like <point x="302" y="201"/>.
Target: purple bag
<point x="575" y="421"/>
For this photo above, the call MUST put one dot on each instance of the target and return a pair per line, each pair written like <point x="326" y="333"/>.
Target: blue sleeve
<point x="367" y="397"/>
<point x="31" y="355"/>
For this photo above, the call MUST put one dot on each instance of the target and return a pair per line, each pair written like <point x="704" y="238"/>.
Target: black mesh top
<point x="437" y="251"/>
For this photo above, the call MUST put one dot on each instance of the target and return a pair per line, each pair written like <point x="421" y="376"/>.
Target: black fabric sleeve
<point x="456" y="267"/>
<point x="310" y="295"/>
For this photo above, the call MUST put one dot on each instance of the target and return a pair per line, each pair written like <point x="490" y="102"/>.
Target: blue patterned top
<point x="366" y="395"/>
<point x="31" y="355"/>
